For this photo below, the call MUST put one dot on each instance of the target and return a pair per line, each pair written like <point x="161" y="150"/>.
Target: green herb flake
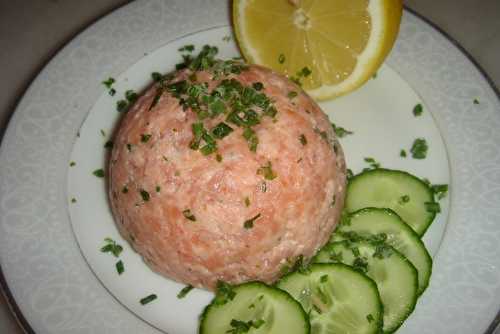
<point x="419" y="149"/>
<point x="360" y="265"/>
<point x="158" y="189"/>
<point x="224" y="293"/>
<point x="72" y="164"/>
<point x="281" y="58"/>
<point x="221" y="130"/>
<point x="305" y="72"/>
<point x="292" y="94"/>
<point x="336" y="257"/>
<point x="248" y="224"/>
<point x="267" y="171"/>
<point x="402" y="154"/>
<point x="120" y="268"/>
<point x="247" y="201"/>
<point x="226" y="38"/>
<point x="372" y="162"/>
<point x="185" y="290"/>
<point x="374" y="76"/>
<point x="303" y="139"/>
<point x="241" y="327"/>
<point x="109" y="82"/>
<point x="108" y="145"/>
<point x="112" y="92"/>
<point x="144" y="195"/>
<point x="349" y="173"/>
<point x="103" y="133"/>
<point x="111" y="247"/>
<point x="370" y="318"/>
<point x="187" y="48"/>
<point x="251" y="138"/>
<point x="417" y="110"/>
<point x="148" y="299"/>
<point x="124" y="190"/>
<point x="156" y="76"/>
<point x="257" y="86"/>
<point x="440" y="190"/>
<point x="121" y="105"/>
<point x="432" y="207"/>
<point x="189" y="215"/>
<point x="476" y="101"/>
<point x="98" y="172"/>
<point x="323" y="279"/>
<point x="131" y="96"/>
<point x="404" y="199"/>
<point x="340" y="132"/>
<point x="218" y="157"/>
<point x="145" y="137"/>
<point x="129" y="147"/>
<point x="73" y="200"/>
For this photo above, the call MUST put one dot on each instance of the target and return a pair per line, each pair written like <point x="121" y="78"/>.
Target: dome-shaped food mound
<point x="224" y="171"/>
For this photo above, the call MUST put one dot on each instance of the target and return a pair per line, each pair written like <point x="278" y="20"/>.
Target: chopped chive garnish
<point x="144" y="195"/>
<point x="158" y="189"/>
<point x="419" y="149"/>
<point x="108" y="144"/>
<point x="145" y="138"/>
<point x="257" y="86"/>
<point x="72" y="164"/>
<point x="73" y="200"/>
<point x="112" y="92"/>
<point x="349" y="173"/>
<point x="292" y="94"/>
<point x="218" y="157"/>
<point x="131" y="96"/>
<point x="340" y="131"/>
<point x="103" y="133"/>
<point x="148" y="299"/>
<point x="402" y="154"/>
<point x="157" y="77"/>
<point x="432" y="207"/>
<point x="476" y="101"/>
<point x="305" y="72"/>
<point x="98" y="172"/>
<point x="440" y="190"/>
<point x="370" y="318"/>
<point x="267" y="171"/>
<point x="303" y="139"/>
<point x="417" y="110"/>
<point x="109" y="82"/>
<point x="248" y="224"/>
<point x="124" y="190"/>
<point x="247" y="201"/>
<point x="189" y="215"/>
<point x="111" y="247"/>
<point x="185" y="290"/>
<point x="224" y="293"/>
<point x="121" y="105"/>
<point x="323" y="278"/>
<point x="373" y="164"/>
<point x="221" y="130"/>
<point x="120" y="268"/>
<point x="281" y="58"/>
<point x="251" y="138"/>
<point x="187" y="48"/>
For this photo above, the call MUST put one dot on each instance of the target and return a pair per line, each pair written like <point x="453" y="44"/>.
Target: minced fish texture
<point x="244" y="209"/>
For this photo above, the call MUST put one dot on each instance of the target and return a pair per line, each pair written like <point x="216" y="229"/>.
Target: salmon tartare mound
<point x="225" y="171"/>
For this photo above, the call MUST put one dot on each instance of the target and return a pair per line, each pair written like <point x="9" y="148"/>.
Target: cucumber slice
<point x="256" y="308"/>
<point x="337" y="298"/>
<point x="397" y="190"/>
<point x="395" y="276"/>
<point x="374" y="222"/>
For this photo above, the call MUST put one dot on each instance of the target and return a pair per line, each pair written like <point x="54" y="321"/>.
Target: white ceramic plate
<point x="55" y="286"/>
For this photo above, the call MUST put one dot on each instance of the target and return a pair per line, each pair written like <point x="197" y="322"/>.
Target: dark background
<point x="32" y="31"/>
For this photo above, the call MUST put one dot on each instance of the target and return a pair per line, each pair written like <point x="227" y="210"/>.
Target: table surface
<point x="47" y="25"/>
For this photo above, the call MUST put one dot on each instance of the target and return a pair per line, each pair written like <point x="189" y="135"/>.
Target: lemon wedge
<point x="330" y="46"/>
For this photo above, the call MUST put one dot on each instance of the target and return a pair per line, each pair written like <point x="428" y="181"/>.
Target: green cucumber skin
<point x="409" y="231"/>
<point x="271" y="289"/>
<point x="342" y="266"/>
<point x="361" y="175"/>
<point x="396" y="253"/>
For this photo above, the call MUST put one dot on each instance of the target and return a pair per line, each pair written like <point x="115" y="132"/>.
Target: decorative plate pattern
<point x="42" y="264"/>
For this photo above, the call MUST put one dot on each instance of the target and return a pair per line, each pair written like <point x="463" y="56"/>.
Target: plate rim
<point x="5" y="289"/>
